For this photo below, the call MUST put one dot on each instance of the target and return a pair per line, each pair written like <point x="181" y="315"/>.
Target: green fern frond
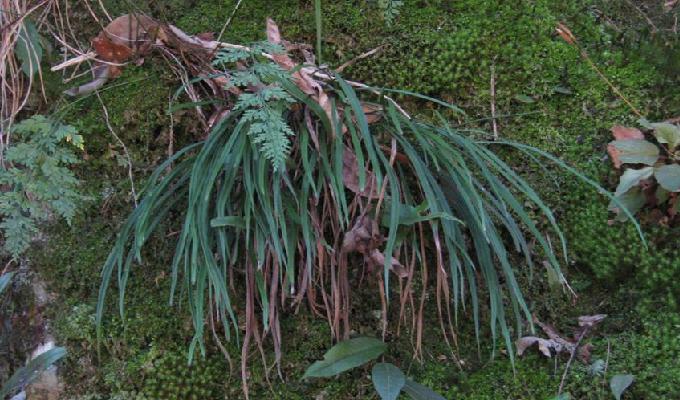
<point x="264" y="107"/>
<point x="39" y="180"/>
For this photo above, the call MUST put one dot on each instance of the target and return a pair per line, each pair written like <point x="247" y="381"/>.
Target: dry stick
<point x="606" y="365"/>
<point x="569" y="37"/>
<point x="608" y="82"/>
<point x="171" y="133"/>
<point x="649" y="21"/>
<point x="214" y="45"/>
<point x="226" y="24"/>
<point x="571" y="358"/>
<point x="104" y="10"/>
<point x="125" y="150"/>
<point x="359" y="57"/>
<point x="493" y="102"/>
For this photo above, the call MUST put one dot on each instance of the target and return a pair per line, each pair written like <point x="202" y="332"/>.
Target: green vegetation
<point x="546" y="95"/>
<point x="658" y="182"/>
<point x="37" y="179"/>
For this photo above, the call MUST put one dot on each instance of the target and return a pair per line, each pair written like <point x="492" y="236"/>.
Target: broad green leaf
<point x="387" y="380"/>
<point x="633" y="200"/>
<point x="31" y="371"/>
<point x="28" y="48"/>
<point x="346" y="355"/>
<point x="523" y="98"/>
<point x="4" y="281"/>
<point x="563" y="396"/>
<point x="632" y="177"/>
<point x="667" y="133"/>
<point x="636" y="151"/>
<point x="420" y="392"/>
<point x="668" y="177"/>
<point x="619" y="384"/>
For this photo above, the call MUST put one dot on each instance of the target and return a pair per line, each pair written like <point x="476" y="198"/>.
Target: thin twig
<point x="571" y="358"/>
<point x="122" y="144"/>
<point x="493" y="101"/>
<point x="569" y="37"/>
<point x="649" y="21"/>
<point x="359" y="57"/>
<point x="606" y="364"/>
<point x="226" y="24"/>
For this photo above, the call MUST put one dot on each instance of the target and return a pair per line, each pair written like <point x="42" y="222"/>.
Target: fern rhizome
<point x="303" y="187"/>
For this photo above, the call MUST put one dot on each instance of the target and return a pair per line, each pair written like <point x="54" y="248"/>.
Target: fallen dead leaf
<point x="623" y="133"/>
<point x="350" y="175"/>
<point x="565" y="33"/>
<point x="365" y="238"/>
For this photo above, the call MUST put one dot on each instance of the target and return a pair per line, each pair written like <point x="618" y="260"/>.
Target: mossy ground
<point x="546" y="95"/>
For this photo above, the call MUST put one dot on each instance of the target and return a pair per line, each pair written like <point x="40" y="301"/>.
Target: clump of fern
<point x="264" y="106"/>
<point x="35" y="180"/>
<point x="302" y="183"/>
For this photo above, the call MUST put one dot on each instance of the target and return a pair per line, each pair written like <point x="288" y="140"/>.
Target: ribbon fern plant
<point x="303" y="184"/>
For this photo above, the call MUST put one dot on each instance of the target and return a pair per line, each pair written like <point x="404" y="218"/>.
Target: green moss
<point x="443" y="48"/>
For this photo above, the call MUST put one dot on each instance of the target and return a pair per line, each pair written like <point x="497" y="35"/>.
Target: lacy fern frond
<point x="38" y="181"/>
<point x="265" y="106"/>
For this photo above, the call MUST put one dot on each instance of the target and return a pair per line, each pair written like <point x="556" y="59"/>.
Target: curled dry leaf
<point x="125" y="37"/>
<point x="556" y="343"/>
<point x="302" y="78"/>
<point x="350" y="175"/>
<point x="365" y="238"/>
<point x="565" y="33"/>
<point x="591" y="320"/>
<point x="545" y="346"/>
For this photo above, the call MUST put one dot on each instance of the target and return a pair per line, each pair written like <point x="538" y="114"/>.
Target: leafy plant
<point x="390" y="9"/>
<point x="388" y="380"/>
<point x="35" y="180"/>
<point x="653" y="174"/>
<point x="36" y="366"/>
<point x="619" y="384"/>
<point x="346" y="355"/>
<point x="27" y="374"/>
<point x="358" y="181"/>
<point x="263" y="108"/>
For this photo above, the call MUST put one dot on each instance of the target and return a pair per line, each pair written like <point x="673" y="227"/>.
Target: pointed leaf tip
<point x="388" y="380"/>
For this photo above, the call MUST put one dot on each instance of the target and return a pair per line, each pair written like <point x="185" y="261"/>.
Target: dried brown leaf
<point x="623" y="133"/>
<point x="590" y="320"/>
<point x="372" y="111"/>
<point x="377" y="258"/>
<point x="274" y="36"/>
<point x="110" y="51"/>
<point x="365" y="238"/>
<point x="614" y="154"/>
<point x="544" y="345"/>
<point x="565" y="33"/>
<point x="302" y="78"/>
<point x="131" y="30"/>
<point x="350" y="175"/>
